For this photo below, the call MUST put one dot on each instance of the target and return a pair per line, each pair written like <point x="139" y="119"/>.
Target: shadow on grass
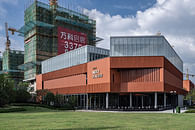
<point x="98" y="128"/>
<point x="30" y="109"/>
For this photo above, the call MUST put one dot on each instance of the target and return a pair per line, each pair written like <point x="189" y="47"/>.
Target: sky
<point x="175" y="19"/>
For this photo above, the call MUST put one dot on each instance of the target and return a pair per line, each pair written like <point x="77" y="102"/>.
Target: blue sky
<point x="175" y="19"/>
<point x="13" y="11"/>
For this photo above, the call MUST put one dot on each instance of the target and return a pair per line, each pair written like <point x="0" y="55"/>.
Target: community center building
<point x="138" y="72"/>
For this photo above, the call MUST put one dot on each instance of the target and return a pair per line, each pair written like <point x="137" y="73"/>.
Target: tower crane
<point x="12" y="30"/>
<point x="7" y="37"/>
<point x="188" y="75"/>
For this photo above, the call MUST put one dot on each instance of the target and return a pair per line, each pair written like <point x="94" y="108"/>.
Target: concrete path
<point x="165" y="111"/>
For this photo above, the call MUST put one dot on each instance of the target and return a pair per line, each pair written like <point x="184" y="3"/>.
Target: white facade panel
<point x="78" y="56"/>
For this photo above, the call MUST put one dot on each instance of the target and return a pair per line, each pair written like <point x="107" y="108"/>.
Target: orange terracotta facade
<point x="115" y="75"/>
<point x="188" y="85"/>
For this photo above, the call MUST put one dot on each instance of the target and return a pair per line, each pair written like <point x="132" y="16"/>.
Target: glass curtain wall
<point x="144" y="46"/>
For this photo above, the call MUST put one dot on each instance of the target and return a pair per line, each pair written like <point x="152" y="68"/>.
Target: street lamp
<point x="174" y="93"/>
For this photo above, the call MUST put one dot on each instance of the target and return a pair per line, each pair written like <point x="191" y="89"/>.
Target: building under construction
<point x="44" y="25"/>
<point x="10" y="62"/>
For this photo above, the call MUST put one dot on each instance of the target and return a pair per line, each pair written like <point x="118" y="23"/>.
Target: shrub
<point x="59" y="100"/>
<point x="6" y="90"/>
<point x="50" y="97"/>
<point x="22" y="96"/>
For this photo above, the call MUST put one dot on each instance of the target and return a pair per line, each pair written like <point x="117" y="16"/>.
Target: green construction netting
<point x="74" y="22"/>
<point x="31" y="24"/>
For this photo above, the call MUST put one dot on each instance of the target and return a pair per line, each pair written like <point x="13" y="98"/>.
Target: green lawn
<point x="42" y="118"/>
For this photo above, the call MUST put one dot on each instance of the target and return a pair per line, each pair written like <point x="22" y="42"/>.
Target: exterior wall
<point x="137" y="74"/>
<point x="142" y="87"/>
<point x="71" y="58"/>
<point x="75" y="70"/>
<point x="173" y="78"/>
<point x="75" y="57"/>
<point x="98" y="75"/>
<point x="137" y="62"/>
<point x="140" y="75"/>
<point x="144" y="46"/>
<point x="39" y="80"/>
<point x="112" y="74"/>
<point x="188" y="85"/>
<point x="69" y="90"/>
<point x="141" y="80"/>
<point x="70" y="81"/>
<point x="60" y="74"/>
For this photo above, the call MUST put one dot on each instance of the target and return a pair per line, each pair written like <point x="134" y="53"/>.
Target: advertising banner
<point x="69" y="40"/>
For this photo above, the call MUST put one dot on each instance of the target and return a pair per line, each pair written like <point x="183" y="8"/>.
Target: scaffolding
<point x="10" y="62"/>
<point x="40" y="33"/>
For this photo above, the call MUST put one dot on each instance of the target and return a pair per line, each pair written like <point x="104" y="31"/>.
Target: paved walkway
<point x="165" y="111"/>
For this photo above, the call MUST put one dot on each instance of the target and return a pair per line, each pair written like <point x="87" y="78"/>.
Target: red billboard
<point x="69" y="40"/>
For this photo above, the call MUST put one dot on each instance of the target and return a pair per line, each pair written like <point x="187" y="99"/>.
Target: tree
<point x="6" y="90"/>
<point x="22" y="85"/>
<point x="59" y="100"/>
<point x="21" y="94"/>
<point x="72" y="101"/>
<point x="41" y="94"/>
<point x="191" y="95"/>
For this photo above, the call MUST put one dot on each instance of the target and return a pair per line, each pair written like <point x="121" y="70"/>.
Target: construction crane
<point x="12" y="30"/>
<point x="7" y="37"/>
<point x="188" y="75"/>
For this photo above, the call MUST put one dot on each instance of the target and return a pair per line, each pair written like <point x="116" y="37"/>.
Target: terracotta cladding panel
<point x="171" y="68"/>
<point x="115" y="76"/>
<point x="137" y="62"/>
<point x="169" y="88"/>
<point x="95" y="88"/>
<point x="188" y="85"/>
<point x="142" y="87"/>
<point x="173" y="80"/>
<point x="98" y="67"/>
<point x="39" y="82"/>
<point x="172" y="76"/>
<point x="98" y="88"/>
<point x="69" y="90"/>
<point x="140" y="75"/>
<point x="70" y="81"/>
<point x="115" y="87"/>
<point x="79" y="69"/>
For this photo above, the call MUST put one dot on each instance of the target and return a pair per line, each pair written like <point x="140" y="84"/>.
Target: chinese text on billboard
<point x="69" y="40"/>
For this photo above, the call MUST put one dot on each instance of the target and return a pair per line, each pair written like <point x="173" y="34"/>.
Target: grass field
<point x="42" y="118"/>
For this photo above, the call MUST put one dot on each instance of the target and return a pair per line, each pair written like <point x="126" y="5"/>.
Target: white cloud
<point x="173" y="18"/>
